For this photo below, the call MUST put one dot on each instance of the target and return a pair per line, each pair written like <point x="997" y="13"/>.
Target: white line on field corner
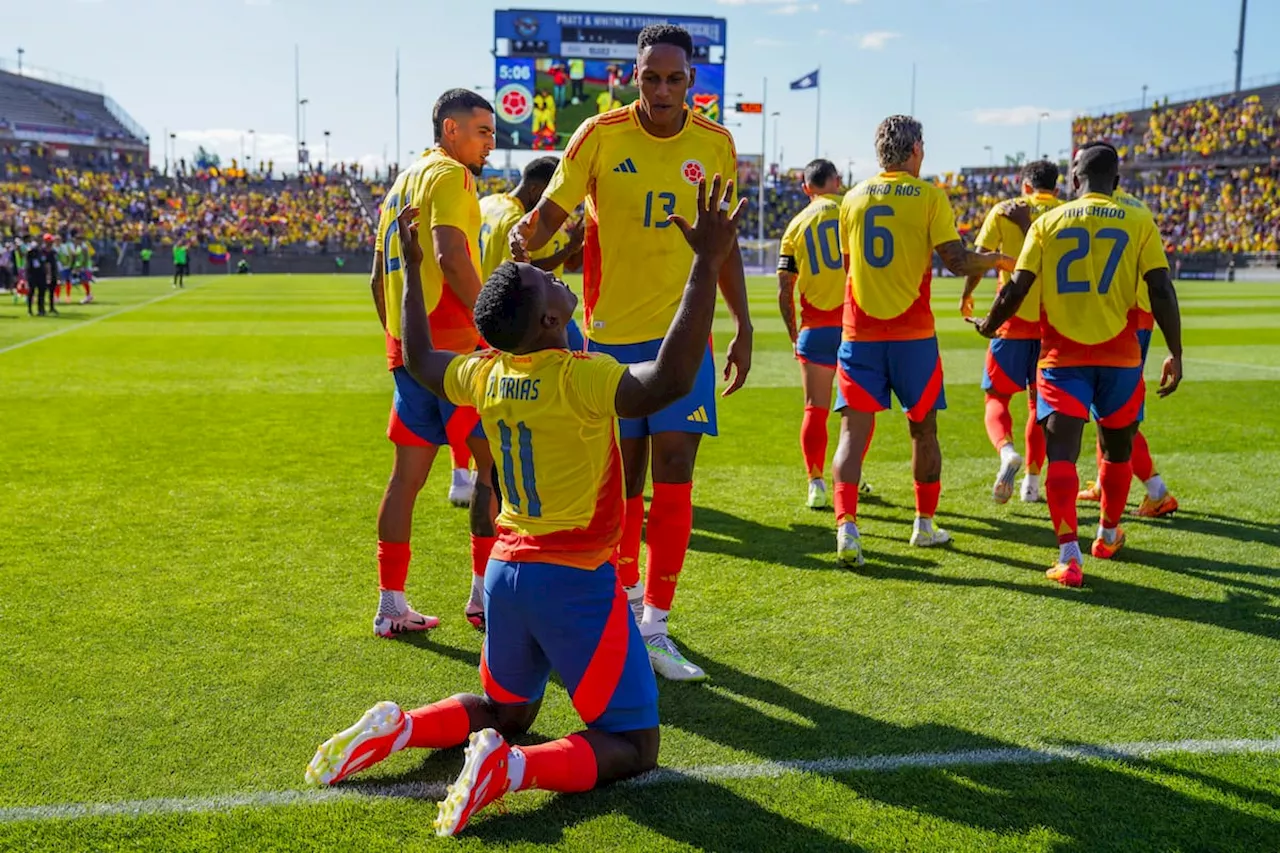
<point x="769" y="769"/>
<point x="107" y="316"/>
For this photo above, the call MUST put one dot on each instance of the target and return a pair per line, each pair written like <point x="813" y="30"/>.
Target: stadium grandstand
<point x="1207" y="164"/>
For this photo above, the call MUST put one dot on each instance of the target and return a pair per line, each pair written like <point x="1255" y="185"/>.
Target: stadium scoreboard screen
<point x="554" y="70"/>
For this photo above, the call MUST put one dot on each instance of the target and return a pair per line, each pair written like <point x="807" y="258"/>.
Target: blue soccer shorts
<point x="1011" y="366"/>
<point x="544" y="617"/>
<point x="577" y="343"/>
<point x="695" y="412"/>
<point x="418" y="417"/>
<point x="912" y="370"/>
<point x="819" y="345"/>
<point x="1113" y="396"/>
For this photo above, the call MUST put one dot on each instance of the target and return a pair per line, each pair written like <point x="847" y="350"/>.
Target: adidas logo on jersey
<point x="699" y="416"/>
<point x="626" y="167"/>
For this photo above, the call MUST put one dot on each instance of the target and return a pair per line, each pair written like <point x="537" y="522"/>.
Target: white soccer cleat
<point x="381" y="731"/>
<point x="1030" y="489"/>
<point x="1010" y="465"/>
<point x="390" y="624"/>
<point x="462" y="487"/>
<point x="849" y="547"/>
<point x="817" y="493"/>
<point x="635" y="600"/>
<point x="929" y="537"/>
<point x="669" y="663"/>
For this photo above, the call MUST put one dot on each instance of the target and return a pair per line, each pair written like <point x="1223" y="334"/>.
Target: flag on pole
<point x="808" y="81"/>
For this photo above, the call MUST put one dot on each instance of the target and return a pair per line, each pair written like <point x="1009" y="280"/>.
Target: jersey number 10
<point x="826" y="236"/>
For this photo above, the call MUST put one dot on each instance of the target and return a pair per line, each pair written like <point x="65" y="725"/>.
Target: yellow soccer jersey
<point x="551" y="423"/>
<point x="444" y="190"/>
<point x="1090" y="256"/>
<point x="1145" y="320"/>
<point x="812" y="243"/>
<point x="890" y="225"/>
<point x="557" y="242"/>
<point x="1000" y="234"/>
<point x="499" y="213"/>
<point x="634" y="264"/>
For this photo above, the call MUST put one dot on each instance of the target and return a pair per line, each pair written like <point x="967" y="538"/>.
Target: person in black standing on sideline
<point x="42" y="275"/>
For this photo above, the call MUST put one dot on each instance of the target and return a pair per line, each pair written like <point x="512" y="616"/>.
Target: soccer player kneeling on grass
<point x="552" y="597"/>
<point x="1089" y="256"/>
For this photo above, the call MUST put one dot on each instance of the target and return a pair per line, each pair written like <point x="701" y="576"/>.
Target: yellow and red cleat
<point x="483" y="779"/>
<point x="1104" y="550"/>
<point x="1091" y="493"/>
<point x="1067" y="574"/>
<point x="1167" y="505"/>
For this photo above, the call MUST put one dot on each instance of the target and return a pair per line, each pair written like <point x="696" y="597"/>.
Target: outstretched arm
<point x="962" y="261"/>
<point x="425" y="364"/>
<point x="535" y="228"/>
<point x="645" y="388"/>
<point x="1164" y="308"/>
<point x="1007" y="303"/>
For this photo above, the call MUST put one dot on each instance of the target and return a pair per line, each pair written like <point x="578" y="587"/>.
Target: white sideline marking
<point x="107" y="316"/>
<point x="1235" y="364"/>
<point x="769" y="769"/>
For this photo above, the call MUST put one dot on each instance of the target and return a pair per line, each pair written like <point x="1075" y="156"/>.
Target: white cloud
<point x="826" y="33"/>
<point x="1013" y="116"/>
<point x="793" y="8"/>
<point x="877" y="40"/>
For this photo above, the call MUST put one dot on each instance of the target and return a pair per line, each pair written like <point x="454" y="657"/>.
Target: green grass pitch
<point x="190" y="488"/>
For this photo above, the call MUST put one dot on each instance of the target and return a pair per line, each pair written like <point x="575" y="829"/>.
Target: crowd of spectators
<point x="1198" y="209"/>
<point x="227" y="207"/>
<point x="1196" y="131"/>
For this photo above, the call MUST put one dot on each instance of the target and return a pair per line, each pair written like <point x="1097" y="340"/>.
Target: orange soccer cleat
<point x="483" y="779"/>
<point x="1067" y="574"/>
<point x="1104" y="550"/>
<point x="1167" y="505"/>
<point x="380" y="732"/>
<point x="1091" y="492"/>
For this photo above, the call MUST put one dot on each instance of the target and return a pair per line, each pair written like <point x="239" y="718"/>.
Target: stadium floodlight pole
<point x="991" y="155"/>
<point x="1239" y="45"/>
<point x="253" y="136"/>
<point x="1142" y="105"/>
<point x="1035" y="155"/>
<point x="817" y="114"/>
<point x="775" y="115"/>
<point x="21" y="51"/>
<point x="326" y="146"/>
<point x="397" y="148"/>
<point x="166" y="152"/>
<point x="764" y="141"/>
<point x="297" y="108"/>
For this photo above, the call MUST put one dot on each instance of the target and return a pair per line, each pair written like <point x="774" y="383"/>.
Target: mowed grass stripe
<point x="662" y="776"/>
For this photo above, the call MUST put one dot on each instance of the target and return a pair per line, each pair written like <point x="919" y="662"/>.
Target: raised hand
<point x="714" y="232"/>
<point x="1018" y="212"/>
<point x="519" y="240"/>
<point x="407" y="224"/>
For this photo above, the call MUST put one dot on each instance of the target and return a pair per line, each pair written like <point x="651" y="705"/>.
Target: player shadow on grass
<point x="1092" y="804"/>
<point x="1245" y="607"/>
<point x="1080" y="806"/>
<point x="797" y="546"/>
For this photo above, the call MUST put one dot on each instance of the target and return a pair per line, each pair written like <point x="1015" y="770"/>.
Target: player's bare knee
<point x="646" y="743"/>
<point x="514" y="720"/>
<point x="924" y="431"/>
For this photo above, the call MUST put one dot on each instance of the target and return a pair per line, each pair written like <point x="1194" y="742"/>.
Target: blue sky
<point x="210" y="70"/>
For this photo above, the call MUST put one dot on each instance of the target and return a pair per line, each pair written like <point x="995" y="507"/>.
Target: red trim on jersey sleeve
<point x="911" y="325"/>
<point x="592" y="266"/>
<point x="580" y="548"/>
<point x="1058" y="350"/>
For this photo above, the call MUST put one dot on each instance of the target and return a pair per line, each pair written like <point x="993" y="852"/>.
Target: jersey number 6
<point x="871" y="232"/>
